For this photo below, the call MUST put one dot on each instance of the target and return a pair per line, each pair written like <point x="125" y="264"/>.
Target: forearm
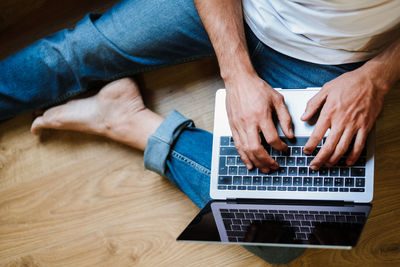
<point x="223" y="21"/>
<point x="384" y="69"/>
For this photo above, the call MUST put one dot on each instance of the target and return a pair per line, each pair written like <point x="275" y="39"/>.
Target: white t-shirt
<point x="325" y="31"/>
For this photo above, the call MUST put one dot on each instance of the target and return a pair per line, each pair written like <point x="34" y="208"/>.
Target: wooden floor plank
<point x="69" y="199"/>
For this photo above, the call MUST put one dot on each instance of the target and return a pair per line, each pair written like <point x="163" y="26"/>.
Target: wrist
<point x="379" y="75"/>
<point x="236" y="66"/>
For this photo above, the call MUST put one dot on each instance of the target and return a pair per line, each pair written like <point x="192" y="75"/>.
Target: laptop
<point x="293" y="206"/>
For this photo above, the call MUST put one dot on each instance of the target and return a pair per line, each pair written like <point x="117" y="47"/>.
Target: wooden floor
<point x="69" y="199"/>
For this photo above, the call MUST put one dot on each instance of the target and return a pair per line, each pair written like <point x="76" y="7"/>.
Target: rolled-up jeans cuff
<point x="159" y="144"/>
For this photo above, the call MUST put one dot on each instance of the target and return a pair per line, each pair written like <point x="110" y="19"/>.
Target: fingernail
<point x="314" y="167"/>
<point x="248" y="166"/>
<point x="265" y="170"/>
<point x="303" y="116"/>
<point x="349" y="162"/>
<point x="275" y="166"/>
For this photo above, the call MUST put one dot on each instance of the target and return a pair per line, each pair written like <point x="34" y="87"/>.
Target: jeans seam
<point x="198" y="167"/>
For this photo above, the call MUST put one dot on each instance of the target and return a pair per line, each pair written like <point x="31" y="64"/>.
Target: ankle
<point x="136" y="131"/>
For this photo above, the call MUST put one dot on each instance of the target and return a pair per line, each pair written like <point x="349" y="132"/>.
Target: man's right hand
<point x="250" y="102"/>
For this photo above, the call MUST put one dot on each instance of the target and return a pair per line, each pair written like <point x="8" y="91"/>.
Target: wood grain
<point x="69" y="199"/>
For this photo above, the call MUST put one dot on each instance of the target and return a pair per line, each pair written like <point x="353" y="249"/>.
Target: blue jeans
<point x="134" y="37"/>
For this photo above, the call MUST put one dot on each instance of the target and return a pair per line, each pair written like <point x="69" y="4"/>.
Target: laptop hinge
<point x="291" y="201"/>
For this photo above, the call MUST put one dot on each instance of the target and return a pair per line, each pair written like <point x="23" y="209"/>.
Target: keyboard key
<point x="303" y="171"/>
<point x="241" y="187"/>
<point x="224" y="180"/>
<point x="296" y="151"/>
<point x="224" y="141"/>
<point x="297" y="141"/>
<point x="230" y="160"/>
<point x="357" y="172"/>
<point x="232" y="170"/>
<point x="281" y="161"/>
<point x="302" y="188"/>
<point x="344" y="172"/>
<point x="231" y="187"/>
<point x="227" y="215"/>
<point x="341" y="162"/>
<point x="271" y="188"/>
<point x="231" y="142"/>
<point x="338" y="181"/>
<point x="323" y="189"/>
<point x="225" y="151"/>
<point x="223" y="170"/>
<point x="360" y="162"/>
<point x="316" y="150"/>
<point x="292" y="171"/>
<point x="360" y="182"/>
<point x="237" y="180"/>
<point x="242" y="171"/>
<point x="292" y="188"/>
<point x="247" y="180"/>
<point x="307" y="181"/>
<point x="328" y="181"/>
<point x="333" y="189"/>
<point x="252" y="171"/>
<point x="251" y="188"/>
<point x="349" y="182"/>
<point x="343" y="189"/>
<point x="282" y="171"/>
<point x="312" y="189"/>
<point x="311" y="172"/>
<point x="317" y="181"/>
<point x="267" y="180"/>
<point x="301" y="161"/>
<point x="277" y="180"/>
<point x="287" y="181"/>
<point x="309" y="159"/>
<point x="221" y="187"/>
<point x="275" y="152"/>
<point x="256" y="180"/>
<point x="281" y="188"/>
<point x="357" y="190"/>
<point x="290" y="161"/>
<point x="239" y="161"/>
<point x="323" y="171"/>
<point x="297" y="181"/>
<point x="261" y="188"/>
<point x="333" y="172"/>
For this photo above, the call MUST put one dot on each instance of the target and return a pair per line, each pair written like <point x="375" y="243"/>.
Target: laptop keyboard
<point x="300" y="223"/>
<point x="293" y="174"/>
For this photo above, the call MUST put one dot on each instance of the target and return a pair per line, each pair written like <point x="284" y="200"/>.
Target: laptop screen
<point x="279" y="223"/>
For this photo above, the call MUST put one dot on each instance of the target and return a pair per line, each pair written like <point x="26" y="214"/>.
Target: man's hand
<point x="350" y="105"/>
<point x="250" y="102"/>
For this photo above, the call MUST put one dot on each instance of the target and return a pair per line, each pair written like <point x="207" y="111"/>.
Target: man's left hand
<point x="350" y="105"/>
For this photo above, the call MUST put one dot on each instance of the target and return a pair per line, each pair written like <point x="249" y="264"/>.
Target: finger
<point x="313" y="105"/>
<point x="284" y="119"/>
<point x="318" y="133"/>
<point x="257" y="153"/>
<point x="271" y="135"/>
<point x="358" y="147"/>
<point x="341" y="147"/>
<point x="239" y="147"/>
<point x="327" y="149"/>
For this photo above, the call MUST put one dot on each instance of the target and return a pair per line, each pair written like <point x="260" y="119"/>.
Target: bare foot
<point x="116" y="112"/>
